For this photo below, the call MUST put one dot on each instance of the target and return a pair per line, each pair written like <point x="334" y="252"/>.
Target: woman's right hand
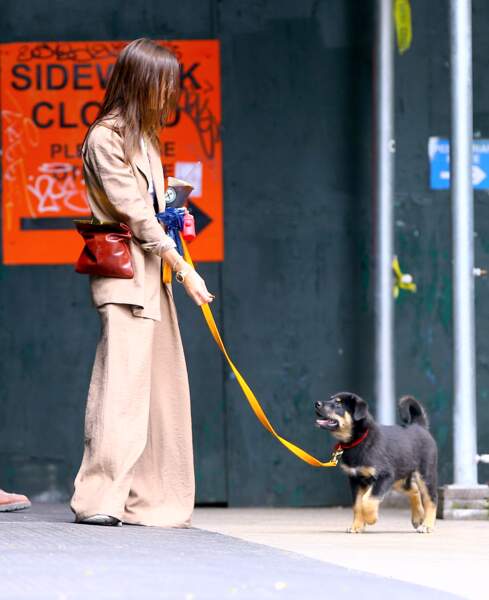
<point x="195" y="287"/>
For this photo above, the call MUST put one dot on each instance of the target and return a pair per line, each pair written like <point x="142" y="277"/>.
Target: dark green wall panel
<point x="297" y="217"/>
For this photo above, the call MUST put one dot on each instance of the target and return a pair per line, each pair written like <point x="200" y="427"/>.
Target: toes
<point x="355" y="530"/>
<point x="424" y="529"/>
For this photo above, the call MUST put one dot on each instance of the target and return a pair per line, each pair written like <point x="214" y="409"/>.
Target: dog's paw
<point x="424" y="529"/>
<point x="371" y="519"/>
<point x="355" y="529"/>
<point x="417" y="523"/>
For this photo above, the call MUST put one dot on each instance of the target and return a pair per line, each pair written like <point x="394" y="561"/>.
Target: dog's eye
<point x="337" y="401"/>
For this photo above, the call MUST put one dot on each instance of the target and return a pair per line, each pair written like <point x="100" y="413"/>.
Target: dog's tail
<point x="412" y="412"/>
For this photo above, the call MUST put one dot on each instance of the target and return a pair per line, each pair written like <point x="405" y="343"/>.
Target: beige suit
<point x="137" y="463"/>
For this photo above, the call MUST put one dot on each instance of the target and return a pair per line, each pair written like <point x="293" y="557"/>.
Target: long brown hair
<point x="142" y="92"/>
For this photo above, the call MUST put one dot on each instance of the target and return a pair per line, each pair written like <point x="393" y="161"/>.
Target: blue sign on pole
<point x="439" y="155"/>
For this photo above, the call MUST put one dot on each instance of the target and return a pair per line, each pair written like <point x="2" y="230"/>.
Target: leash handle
<point x="247" y="391"/>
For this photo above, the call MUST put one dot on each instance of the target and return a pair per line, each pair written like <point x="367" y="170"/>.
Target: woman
<point x="137" y="464"/>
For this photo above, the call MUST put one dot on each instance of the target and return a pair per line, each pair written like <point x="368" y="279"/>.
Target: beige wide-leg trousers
<point x="138" y="461"/>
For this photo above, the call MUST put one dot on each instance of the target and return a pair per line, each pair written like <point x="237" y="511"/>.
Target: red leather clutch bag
<point x="106" y="251"/>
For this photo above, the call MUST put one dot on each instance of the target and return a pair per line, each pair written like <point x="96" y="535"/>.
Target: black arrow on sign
<point x="201" y="218"/>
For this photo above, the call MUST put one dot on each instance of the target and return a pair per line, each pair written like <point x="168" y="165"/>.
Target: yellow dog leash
<point x="247" y="391"/>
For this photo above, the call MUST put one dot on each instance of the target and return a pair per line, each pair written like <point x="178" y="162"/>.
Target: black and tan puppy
<point x="377" y="458"/>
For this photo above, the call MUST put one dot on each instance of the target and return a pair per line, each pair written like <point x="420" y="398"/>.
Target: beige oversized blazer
<point x="117" y="190"/>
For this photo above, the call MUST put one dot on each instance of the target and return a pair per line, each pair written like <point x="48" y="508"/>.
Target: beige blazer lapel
<point x="142" y="163"/>
<point x="149" y="165"/>
<point x="158" y="177"/>
<point x="139" y="159"/>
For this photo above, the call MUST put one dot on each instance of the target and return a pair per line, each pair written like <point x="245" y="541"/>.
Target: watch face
<point x="170" y="195"/>
<point x="179" y="276"/>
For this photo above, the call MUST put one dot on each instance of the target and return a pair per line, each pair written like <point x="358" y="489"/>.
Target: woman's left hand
<point x="195" y="287"/>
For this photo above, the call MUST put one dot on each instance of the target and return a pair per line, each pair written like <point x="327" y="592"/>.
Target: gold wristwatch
<point x="180" y="276"/>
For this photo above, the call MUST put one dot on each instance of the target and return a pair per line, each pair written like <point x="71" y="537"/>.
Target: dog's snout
<point x="318" y="404"/>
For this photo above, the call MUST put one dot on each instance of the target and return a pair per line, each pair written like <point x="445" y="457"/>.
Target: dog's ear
<point x="360" y="408"/>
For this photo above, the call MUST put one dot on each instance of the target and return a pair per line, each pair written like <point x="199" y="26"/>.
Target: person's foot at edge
<point x="10" y="502"/>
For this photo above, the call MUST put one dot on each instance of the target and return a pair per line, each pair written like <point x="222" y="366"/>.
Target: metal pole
<point x="465" y="429"/>
<point x="384" y="184"/>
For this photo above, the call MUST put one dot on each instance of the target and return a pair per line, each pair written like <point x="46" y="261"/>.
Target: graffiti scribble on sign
<point x="19" y="137"/>
<point x="195" y="102"/>
<point x="56" y="187"/>
<point x="66" y="51"/>
<point x="19" y="134"/>
<point x="197" y="108"/>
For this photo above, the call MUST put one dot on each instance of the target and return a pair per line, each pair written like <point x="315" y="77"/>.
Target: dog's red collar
<point x="341" y="446"/>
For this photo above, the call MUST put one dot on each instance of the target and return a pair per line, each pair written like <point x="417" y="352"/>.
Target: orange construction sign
<point x="50" y="92"/>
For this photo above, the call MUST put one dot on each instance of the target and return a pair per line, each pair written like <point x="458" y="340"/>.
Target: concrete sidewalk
<point x="44" y="555"/>
<point x="454" y="558"/>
